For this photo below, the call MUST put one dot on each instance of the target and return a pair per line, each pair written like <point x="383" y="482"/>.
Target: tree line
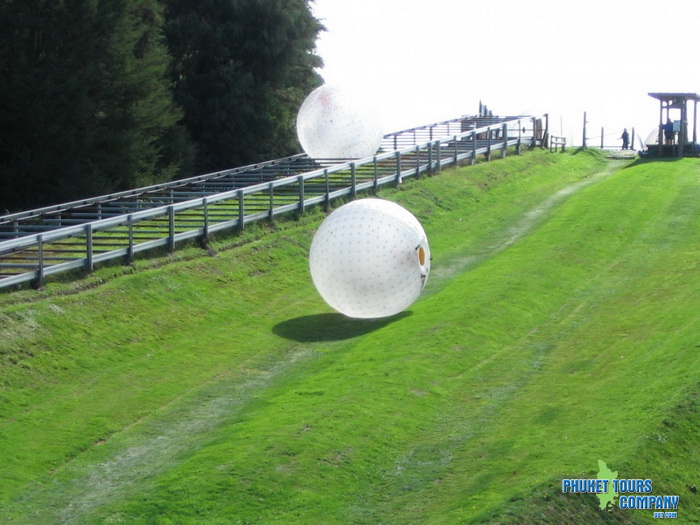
<point x="98" y="96"/>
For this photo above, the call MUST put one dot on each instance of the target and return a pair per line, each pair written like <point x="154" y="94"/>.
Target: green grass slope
<point x="559" y="327"/>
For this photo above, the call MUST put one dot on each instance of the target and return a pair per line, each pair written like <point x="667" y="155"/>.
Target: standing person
<point x="625" y="139"/>
<point x="668" y="131"/>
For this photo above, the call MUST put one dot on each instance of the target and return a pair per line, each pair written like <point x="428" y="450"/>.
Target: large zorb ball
<point x="370" y="258"/>
<point x="331" y="124"/>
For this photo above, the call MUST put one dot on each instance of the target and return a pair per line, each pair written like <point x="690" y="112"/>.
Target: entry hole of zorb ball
<point x="363" y="259"/>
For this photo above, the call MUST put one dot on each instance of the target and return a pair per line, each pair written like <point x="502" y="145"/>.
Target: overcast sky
<point x="421" y="61"/>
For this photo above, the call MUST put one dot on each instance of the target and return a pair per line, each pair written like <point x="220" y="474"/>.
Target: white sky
<point x="421" y="61"/>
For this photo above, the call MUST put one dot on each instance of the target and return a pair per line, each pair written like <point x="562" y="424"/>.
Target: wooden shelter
<point x="674" y="139"/>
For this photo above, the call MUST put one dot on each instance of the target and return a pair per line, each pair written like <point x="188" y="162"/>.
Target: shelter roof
<point x="675" y="96"/>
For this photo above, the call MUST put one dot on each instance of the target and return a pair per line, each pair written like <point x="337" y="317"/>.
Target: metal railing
<point x="556" y="143"/>
<point x="164" y="215"/>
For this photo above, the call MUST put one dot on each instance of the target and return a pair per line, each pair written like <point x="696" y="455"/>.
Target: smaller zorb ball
<point x="332" y="124"/>
<point x="370" y="258"/>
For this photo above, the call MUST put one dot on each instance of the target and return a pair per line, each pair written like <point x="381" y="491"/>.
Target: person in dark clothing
<point x="625" y="139"/>
<point x="668" y="131"/>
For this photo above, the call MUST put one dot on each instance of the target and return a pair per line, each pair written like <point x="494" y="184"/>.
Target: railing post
<point x="205" y="230"/>
<point x="171" y="228"/>
<point x="89" y="265"/>
<point x="602" y="137"/>
<point x="398" y="168"/>
<point x="38" y="283"/>
<point x="473" y="159"/>
<point x="300" y="181"/>
<point x="353" y="181"/>
<point x="417" y="161"/>
<point x="430" y="156"/>
<point x="505" y="141"/>
<point x="456" y="152"/>
<point x="272" y="201"/>
<point x="327" y="204"/>
<point x="488" y="144"/>
<point x="130" y="248"/>
<point x="518" y="150"/>
<point x="376" y="173"/>
<point x="241" y="210"/>
<point x="438" y="150"/>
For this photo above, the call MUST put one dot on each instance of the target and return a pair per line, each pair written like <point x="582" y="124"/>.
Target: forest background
<point x="98" y="96"/>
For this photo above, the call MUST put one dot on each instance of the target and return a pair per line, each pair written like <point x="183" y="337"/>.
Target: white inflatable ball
<point x="370" y="258"/>
<point x="331" y="124"/>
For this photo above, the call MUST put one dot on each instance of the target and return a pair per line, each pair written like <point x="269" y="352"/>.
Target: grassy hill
<point x="559" y="327"/>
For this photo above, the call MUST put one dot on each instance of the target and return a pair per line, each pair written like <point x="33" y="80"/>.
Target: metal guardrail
<point x="96" y="208"/>
<point x="164" y="215"/>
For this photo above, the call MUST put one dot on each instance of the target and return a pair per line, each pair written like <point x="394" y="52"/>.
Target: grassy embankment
<point x="559" y="327"/>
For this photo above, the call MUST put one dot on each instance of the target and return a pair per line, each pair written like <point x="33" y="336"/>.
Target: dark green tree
<point x="85" y="100"/>
<point x="241" y="70"/>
